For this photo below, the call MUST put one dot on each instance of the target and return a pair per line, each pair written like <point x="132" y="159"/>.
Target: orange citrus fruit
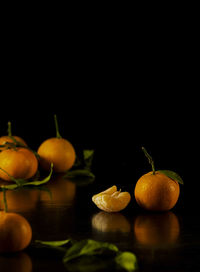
<point x="156" y="192"/>
<point x="58" y="151"/>
<point x="17" y="162"/>
<point x="112" y="200"/>
<point x="15" y="232"/>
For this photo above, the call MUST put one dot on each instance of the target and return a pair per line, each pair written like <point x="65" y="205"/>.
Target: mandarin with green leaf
<point x="157" y="190"/>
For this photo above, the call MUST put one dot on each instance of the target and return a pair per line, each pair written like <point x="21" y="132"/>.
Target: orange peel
<point x="112" y="200"/>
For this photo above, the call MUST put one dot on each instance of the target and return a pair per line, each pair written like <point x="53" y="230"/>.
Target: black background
<point x="115" y="85"/>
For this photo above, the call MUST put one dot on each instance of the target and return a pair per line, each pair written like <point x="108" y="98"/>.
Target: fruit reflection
<point x="20" y="200"/>
<point x="110" y="222"/>
<point x="61" y="190"/>
<point x="20" y="262"/>
<point x="157" y="230"/>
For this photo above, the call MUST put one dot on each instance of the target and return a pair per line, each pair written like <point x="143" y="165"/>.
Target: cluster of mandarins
<point x="18" y="161"/>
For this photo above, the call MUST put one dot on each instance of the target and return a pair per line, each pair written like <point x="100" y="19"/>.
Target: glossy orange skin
<point x="19" y="163"/>
<point x="156" y="192"/>
<point x="58" y="151"/>
<point x="7" y="139"/>
<point x="15" y="232"/>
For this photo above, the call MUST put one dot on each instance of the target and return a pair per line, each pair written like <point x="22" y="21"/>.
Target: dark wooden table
<point x="168" y="241"/>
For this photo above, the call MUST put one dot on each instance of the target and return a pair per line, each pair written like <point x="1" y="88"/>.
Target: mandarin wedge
<point x="112" y="200"/>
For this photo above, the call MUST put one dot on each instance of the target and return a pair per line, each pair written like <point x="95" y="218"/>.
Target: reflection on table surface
<point x="62" y="209"/>
<point x="156" y="230"/>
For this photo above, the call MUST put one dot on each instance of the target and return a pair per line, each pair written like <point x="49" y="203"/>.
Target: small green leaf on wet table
<point x="53" y="243"/>
<point x="88" y="247"/>
<point x="91" y="255"/>
<point x="171" y="174"/>
<point x="127" y="261"/>
<point x="79" y="173"/>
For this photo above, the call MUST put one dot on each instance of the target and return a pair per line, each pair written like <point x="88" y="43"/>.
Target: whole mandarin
<point x="58" y="151"/>
<point x="15" y="232"/>
<point x="18" y="163"/>
<point x="156" y="192"/>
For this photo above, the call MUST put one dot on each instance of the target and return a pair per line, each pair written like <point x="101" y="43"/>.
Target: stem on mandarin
<point x="9" y="129"/>
<point x="149" y="159"/>
<point x="57" y="128"/>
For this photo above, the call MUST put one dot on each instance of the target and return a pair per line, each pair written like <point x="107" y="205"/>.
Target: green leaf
<point x="91" y="255"/>
<point x="88" y="248"/>
<point x="22" y="183"/>
<point x="88" y="158"/>
<point x="127" y="261"/>
<point x="79" y="173"/>
<point x="171" y="174"/>
<point x="53" y="243"/>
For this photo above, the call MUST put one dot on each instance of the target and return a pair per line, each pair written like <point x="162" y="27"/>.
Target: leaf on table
<point x="127" y="261"/>
<point x="53" y="243"/>
<point x="88" y="248"/>
<point x="91" y="255"/>
<point x="82" y="169"/>
<point x="79" y="173"/>
<point x="171" y="174"/>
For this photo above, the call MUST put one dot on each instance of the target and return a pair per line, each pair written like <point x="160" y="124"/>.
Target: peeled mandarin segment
<point x="116" y="203"/>
<point x="112" y="200"/>
<point x="109" y="191"/>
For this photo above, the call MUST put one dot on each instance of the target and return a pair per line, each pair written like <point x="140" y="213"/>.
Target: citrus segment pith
<point x="112" y="200"/>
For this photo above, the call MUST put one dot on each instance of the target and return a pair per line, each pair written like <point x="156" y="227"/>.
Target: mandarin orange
<point x="19" y="162"/>
<point x="15" y="232"/>
<point x="58" y="151"/>
<point x="157" y="190"/>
